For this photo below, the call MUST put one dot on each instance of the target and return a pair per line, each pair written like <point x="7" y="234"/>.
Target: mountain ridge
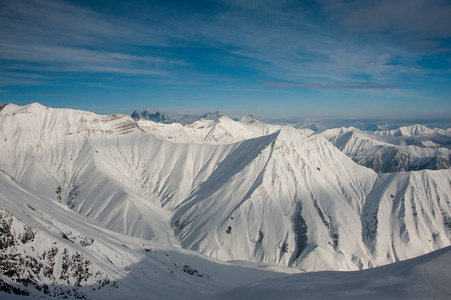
<point x="387" y="151"/>
<point x="295" y="198"/>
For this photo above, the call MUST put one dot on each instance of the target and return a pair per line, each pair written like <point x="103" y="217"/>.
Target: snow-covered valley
<point x="153" y="208"/>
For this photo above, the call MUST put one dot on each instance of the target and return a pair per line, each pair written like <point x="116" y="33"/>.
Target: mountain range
<point x="92" y="204"/>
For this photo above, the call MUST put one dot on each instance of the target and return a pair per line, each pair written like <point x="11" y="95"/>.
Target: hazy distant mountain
<point x="150" y="115"/>
<point x="365" y="125"/>
<point x="168" y="118"/>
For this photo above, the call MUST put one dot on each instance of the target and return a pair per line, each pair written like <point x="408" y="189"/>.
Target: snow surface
<point x="406" y="149"/>
<point x="412" y="130"/>
<point x="129" y="267"/>
<point x="425" y="277"/>
<point x="238" y="191"/>
<point x="220" y="130"/>
<point x="147" y="193"/>
<point x="140" y="269"/>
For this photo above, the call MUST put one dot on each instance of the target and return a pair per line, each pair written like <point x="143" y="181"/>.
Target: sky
<point x="299" y="59"/>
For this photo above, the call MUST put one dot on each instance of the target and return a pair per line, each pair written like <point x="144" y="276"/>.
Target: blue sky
<point x="303" y="59"/>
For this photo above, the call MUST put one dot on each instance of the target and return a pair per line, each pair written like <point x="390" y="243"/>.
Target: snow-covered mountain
<point x="409" y="131"/>
<point x="233" y="190"/>
<point x="150" y="115"/>
<point x="169" y="118"/>
<point x="47" y="250"/>
<point x="50" y="250"/>
<point x="417" y="134"/>
<point x="405" y="149"/>
<point x="213" y="129"/>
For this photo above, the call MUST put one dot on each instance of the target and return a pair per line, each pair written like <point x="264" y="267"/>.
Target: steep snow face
<point x="297" y="201"/>
<point x="54" y="152"/>
<point x="120" y="180"/>
<point x="383" y="155"/>
<point x="237" y="191"/>
<point x="49" y="250"/>
<point x="428" y="144"/>
<point x="287" y="198"/>
<point x="407" y="214"/>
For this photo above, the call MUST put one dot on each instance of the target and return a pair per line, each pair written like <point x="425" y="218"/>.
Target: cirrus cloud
<point x="352" y="86"/>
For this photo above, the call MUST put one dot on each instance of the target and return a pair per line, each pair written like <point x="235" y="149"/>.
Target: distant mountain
<point x="410" y="148"/>
<point x="409" y="131"/>
<point x="212" y="116"/>
<point x="150" y="115"/>
<point x="183" y="119"/>
<point x="210" y="129"/>
<point x="320" y="126"/>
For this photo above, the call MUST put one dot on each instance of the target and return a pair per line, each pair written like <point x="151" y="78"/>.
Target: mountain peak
<point x="247" y="119"/>
<point x="412" y="130"/>
<point x="35" y="106"/>
<point x="155" y="116"/>
<point x="415" y="129"/>
<point x="213" y="116"/>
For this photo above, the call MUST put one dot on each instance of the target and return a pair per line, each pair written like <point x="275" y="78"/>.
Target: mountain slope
<point x="425" y="277"/>
<point x="300" y="202"/>
<point x="238" y="191"/>
<point x="216" y="129"/>
<point x="390" y="153"/>
<point x="49" y="250"/>
<point x="54" y="152"/>
<point x="409" y="131"/>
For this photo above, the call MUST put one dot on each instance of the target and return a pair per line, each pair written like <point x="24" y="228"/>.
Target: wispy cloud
<point x="293" y="46"/>
<point x="293" y="41"/>
<point x="73" y="55"/>
<point x="56" y="36"/>
<point x="8" y="78"/>
<point x="354" y="86"/>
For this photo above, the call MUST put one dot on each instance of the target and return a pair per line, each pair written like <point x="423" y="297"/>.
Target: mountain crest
<point x="150" y="115"/>
<point x="231" y="190"/>
<point x="213" y="116"/>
